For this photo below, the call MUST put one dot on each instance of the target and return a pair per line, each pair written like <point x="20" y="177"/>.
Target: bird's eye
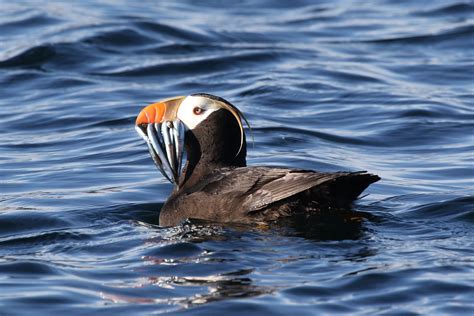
<point x="197" y="110"/>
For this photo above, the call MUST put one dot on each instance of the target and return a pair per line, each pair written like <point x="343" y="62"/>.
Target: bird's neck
<point x="212" y="146"/>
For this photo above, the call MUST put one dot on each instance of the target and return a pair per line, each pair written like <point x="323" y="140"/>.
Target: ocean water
<point x="384" y="86"/>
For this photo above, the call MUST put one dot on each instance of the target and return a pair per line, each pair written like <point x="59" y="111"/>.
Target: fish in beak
<point x="164" y="133"/>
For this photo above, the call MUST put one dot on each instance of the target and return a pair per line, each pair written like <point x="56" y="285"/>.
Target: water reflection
<point x="214" y="287"/>
<point x="333" y="225"/>
<point x="189" y="259"/>
<point x="195" y="290"/>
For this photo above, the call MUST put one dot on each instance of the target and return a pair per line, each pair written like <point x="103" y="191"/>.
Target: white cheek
<point x="187" y="116"/>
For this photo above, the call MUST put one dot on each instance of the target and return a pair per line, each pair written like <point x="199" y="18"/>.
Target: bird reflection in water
<point x="184" y="291"/>
<point x="206" y="288"/>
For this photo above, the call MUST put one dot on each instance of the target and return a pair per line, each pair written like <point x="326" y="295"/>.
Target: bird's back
<point x="260" y="194"/>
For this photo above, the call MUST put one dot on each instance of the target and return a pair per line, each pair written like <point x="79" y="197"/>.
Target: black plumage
<point x="217" y="186"/>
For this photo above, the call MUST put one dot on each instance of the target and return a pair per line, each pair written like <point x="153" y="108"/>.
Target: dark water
<point x="384" y="86"/>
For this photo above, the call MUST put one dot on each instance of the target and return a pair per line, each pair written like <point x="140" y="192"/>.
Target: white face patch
<point x="195" y="109"/>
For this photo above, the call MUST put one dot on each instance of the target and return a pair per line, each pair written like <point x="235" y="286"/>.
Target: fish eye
<point x="197" y="110"/>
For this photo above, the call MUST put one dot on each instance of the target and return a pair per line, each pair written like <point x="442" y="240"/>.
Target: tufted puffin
<point x="215" y="183"/>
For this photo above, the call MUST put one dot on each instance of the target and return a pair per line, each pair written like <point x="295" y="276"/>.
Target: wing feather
<point x="292" y="183"/>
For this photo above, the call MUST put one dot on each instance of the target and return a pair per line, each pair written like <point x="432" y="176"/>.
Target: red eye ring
<point x="197" y="110"/>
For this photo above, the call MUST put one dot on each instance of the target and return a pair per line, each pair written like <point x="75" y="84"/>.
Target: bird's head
<point x="208" y="128"/>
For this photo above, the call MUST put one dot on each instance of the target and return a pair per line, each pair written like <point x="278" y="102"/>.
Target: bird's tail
<point x="342" y="189"/>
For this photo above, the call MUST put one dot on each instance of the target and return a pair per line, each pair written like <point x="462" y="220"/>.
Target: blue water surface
<point x="385" y="86"/>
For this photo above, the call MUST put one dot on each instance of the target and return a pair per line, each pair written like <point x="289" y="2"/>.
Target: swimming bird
<point x="215" y="184"/>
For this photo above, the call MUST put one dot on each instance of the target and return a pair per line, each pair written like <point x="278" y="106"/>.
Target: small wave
<point x="447" y="35"/>
<point x="34" y="56"/>
<point x="350" y="77"/>
<point x="119" y="38"/>
<point x="416" y="133"/>
<point x="417" y="113"/>
<point x="114" y="122"/>
<point x="30" y="21"/>
<point x="449" y="207"/>
<point x="46" y="122"/>
<point x="464" y="8"/>
<point x="195" y="66"/>
<point x="320" y="135"/>
<point x="27" y="268"/>
<point x="164" y="30"/>
<point x="19" y="223"/>
<point x="393" y="278"/>
<point x="42" y="239"/>
<point x="454" y="209"/>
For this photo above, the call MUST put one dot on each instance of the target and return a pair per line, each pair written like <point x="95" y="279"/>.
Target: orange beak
<point x="152" y="113"/>
<point x="158" y="125"/>
<point x="158" y="112"/>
